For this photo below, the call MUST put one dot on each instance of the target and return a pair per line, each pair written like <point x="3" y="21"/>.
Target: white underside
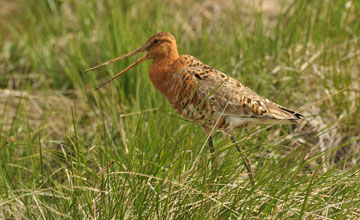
<point x="249" y="122"/>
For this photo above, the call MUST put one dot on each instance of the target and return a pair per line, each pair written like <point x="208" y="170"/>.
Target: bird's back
<point x="209" y="97"/>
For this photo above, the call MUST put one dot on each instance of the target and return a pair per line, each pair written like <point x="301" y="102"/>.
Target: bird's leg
<point x="245" y="159"/>
<point x="211" y="145"/>
<point x="210" y="141"/>
<point x="212" y="153"/>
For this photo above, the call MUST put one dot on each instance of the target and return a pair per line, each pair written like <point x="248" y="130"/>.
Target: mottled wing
<point x="233" y="98"/>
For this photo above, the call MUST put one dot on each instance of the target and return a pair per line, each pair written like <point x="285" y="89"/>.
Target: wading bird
<point x="203" y="94"/>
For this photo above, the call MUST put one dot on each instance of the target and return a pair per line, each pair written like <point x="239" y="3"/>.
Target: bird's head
<point x="160" y="46"/>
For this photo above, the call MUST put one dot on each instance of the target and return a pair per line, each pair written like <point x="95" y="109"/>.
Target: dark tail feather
<point x="297" y="115"/>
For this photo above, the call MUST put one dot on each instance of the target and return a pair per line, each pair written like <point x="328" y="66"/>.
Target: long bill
<point x="141" y="49"/>
<point x="127" y="68"/>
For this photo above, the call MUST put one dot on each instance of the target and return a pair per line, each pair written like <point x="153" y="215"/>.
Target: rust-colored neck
<point x="161" y="69"/>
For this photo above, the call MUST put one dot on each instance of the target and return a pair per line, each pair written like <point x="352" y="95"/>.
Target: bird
<point x="202" y="94"/>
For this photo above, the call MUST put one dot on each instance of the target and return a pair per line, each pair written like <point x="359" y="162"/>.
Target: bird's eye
<point x="156" y="41"/>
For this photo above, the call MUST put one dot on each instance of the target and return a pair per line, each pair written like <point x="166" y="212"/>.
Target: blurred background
<point x="69" y="151"/>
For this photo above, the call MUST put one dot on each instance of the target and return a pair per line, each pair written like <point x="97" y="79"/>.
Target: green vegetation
<point x="67" y="151"/>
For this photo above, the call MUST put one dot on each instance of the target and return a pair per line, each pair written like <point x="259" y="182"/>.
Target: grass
<point x="67" y="151"/>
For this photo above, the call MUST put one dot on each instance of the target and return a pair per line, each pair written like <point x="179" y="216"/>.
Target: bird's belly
<point x="207" y="117"/>
<point x="200" y="114"/>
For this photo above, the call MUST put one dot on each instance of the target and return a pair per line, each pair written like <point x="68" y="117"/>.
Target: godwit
<point x="202" y="94"/>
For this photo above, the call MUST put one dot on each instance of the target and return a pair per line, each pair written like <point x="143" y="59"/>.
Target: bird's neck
<point x="160" y="71"/>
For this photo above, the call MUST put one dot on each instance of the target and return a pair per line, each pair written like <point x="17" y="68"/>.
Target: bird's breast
<point x="180" y="89"/>
<point x="174" y="83"/>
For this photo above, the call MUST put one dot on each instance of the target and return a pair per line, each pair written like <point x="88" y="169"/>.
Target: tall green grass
<point x="68" y="151"/>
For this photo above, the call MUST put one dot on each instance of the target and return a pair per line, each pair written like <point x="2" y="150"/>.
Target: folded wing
<point x="234" y="99"/>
